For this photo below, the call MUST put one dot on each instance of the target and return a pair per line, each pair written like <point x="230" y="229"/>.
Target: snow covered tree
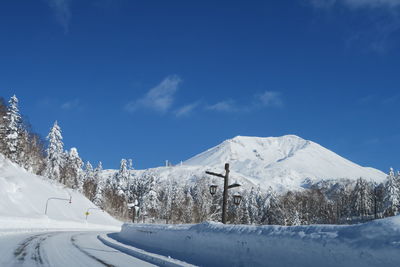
<point x="142" y="189"/>
<point x="89" y="184"/>
<point x="122" y="178"/>
<point x="100" y="184"/>
<point x="149" y="202"/>
<point x="273" y="210"/>
<point x="392" y="195"/>
<point x="362" y="200"/>
<point x="72" y="170"/>
<point x="55" y="153"/>
<point x="206" y="207"/>
<point x="252" y="206"/>
<point x="32" y="154"/>
<point x="187" y="205"/>
<point x="13" y="130"/>
<point x="3" y="113"/>
<point x="115" y="194"/>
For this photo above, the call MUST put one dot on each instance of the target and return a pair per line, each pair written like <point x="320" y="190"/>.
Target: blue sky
<point x="156" y="80"/>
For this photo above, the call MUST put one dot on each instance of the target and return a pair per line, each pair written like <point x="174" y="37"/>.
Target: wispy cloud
<point x="356" y="3"/>
<point x="375" y="99"/>
<point x="186" y="110"/>
<point x="160" y="98"/>
<point x="228" y="105"/>
<point x="270" y="99"/>
<point x="71" y="105"/>
<point x="382" y="19"/>
<point x="62" y="12"/>
<point x="366" y="99"/>
<point x="267" y="99"/>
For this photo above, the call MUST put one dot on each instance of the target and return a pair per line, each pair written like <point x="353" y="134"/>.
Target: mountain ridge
<point x="283" y="163"/>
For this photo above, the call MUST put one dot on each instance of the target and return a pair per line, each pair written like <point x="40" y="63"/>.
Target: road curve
<point x="62" y="249"/>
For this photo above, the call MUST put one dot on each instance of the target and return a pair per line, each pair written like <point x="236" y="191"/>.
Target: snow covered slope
<point x="23" y="199"/>
<point x="282" y="161"/>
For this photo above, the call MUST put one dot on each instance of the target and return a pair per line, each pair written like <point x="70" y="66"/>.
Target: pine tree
<point x="122" y="178"/>
<point x="392" y="195"/>
<point x="89" y="185"/>
<point x="362" y="198"/>
<point x="296" y="219"/>
<point x="55" y="154"/>
<point x="252" y="206"/>
<point x="273" y="209"/>
<point x="72" y="170"/>
<point x="13" y="130"/>
<point x="3" y="116"/>
<point x="100" y="185"/>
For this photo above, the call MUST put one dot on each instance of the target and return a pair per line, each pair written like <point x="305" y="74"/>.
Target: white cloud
<point x="159" y="98"/>
<point x="225" y="106"/>
<point x="62" y="11"/>
<point x="356" y="3"/>
<point x="270" y="99"/>
<point x="69" y="105"/>
<point x="383" y="22"/>
<point x="186" y="109"/>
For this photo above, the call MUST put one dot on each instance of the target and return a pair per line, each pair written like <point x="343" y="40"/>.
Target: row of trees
<point x="17" y="141"/>
<point x="170" y="201"/>
<point x="21" y="145"/>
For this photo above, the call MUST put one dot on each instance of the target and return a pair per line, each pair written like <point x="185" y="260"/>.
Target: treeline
<point x="22" y="146"/>
<point x="17" y="141"/>
<point x="172" y="201"/>
<point x="328" y="202"/>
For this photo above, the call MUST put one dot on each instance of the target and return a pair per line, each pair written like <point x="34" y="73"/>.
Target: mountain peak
<point x="287" y="157"/>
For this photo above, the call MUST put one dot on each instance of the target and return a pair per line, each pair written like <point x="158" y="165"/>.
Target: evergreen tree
<point x="100" y="184"/>
<point x="13" y="130"/>
<point x="55" y="154"/>
<point x="74" y="177"/>
<point x="362" y="198"/>
<point x="252" y="206"/>
<point x="122" y="178"/>
<point x="392" y="195"/>
<point x="3" y="116"/>
<point x="296" y="219"/>
<point x="273" y="209"/>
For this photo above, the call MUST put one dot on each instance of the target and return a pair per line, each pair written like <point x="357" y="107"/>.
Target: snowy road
<point x="61" y="249"/>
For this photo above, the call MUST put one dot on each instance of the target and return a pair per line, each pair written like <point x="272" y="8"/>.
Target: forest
<point x="172" y="201"/>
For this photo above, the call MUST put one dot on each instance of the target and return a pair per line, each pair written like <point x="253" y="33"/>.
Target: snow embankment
<point x="23" y="198"/>
<point x="375" y="243"/>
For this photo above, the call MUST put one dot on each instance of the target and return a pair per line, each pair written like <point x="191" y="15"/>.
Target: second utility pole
<point x="226" y="187"/>
<point x="225" y="198"/>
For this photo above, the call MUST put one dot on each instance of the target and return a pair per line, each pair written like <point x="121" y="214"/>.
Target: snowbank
<point x="23" y="198"/>
<point x="213" y="244"/>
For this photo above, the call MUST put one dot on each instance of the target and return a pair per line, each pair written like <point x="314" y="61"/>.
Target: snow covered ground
<point x="23" y="198"/>
<point x="63" y="237"/>
<point x="376" y="243"/>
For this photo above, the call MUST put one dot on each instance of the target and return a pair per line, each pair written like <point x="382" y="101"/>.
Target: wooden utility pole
<point x="226" y="188"/>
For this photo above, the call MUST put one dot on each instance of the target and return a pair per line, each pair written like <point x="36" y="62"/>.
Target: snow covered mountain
<point x="284" y="163"/>
<point x="23" y="198"/>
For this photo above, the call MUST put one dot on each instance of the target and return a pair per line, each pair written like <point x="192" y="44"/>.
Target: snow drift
<point x="374" y="243"/>
<point x="23" y="199"/>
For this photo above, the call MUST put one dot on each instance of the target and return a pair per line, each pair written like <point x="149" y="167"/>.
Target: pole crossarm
<point x="215" y="174"/>
<point x="233" y="185"/>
